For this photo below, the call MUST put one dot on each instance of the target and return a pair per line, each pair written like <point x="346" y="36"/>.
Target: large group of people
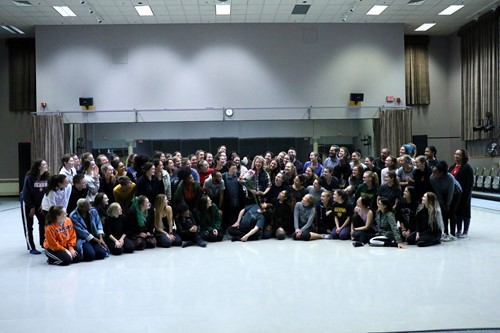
<point x="99" y="206"/>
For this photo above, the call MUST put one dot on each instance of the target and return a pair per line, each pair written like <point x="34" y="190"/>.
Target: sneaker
<point x="35" y="251"/>
<point x="445" y="238"/>
<point x="202" y="244"/>
<point x="357" y="244"/>
<point x="463" y="235"/>
<point x="452" y="238"/>
<point x="327" y="236"/>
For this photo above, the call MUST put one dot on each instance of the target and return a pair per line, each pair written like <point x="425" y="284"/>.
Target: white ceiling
<point x="243" y="11"/>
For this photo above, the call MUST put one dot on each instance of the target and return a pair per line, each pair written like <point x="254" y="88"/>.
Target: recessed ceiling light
<point x="144" y="10"/>
<point x="12" y="29"/>
<point x="223" y="9"/>
<point x="64" y="11"/>
<point x="376" y="10"/>
<point x="415" y="2"/>
<point x="21" y="3"/>
<point x="425" y="26"/>
<point x="451" y="9"/>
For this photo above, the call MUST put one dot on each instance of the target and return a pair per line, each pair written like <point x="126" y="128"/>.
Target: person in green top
<point x="209" y="220"/>
<point x="388" y="232"/>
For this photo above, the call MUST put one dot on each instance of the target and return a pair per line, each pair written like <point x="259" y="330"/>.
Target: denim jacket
<point x="81" y="226"/>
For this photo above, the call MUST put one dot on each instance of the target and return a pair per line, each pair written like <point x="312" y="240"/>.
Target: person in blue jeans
<point x="89" y="231"/>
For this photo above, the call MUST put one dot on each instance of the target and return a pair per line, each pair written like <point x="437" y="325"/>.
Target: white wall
<point x="237" y="65"/>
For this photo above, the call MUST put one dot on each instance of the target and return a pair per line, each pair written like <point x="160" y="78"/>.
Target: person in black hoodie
<point x="187" y="227"/>
<point x="34" y="188"/>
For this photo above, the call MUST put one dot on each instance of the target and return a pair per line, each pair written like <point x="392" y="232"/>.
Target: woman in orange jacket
<point x="60" y="238"/>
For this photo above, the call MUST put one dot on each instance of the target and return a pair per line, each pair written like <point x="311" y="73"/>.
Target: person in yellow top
<point x="124" y="192"/>
<point x="60" y="238"/>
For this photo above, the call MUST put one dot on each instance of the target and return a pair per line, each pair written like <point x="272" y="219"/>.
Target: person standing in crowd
<point x="380" y="161"/>
<point x="60" y="238"/>
<point x="421" y="177"/>
<point x="188" y="191"/>
<point x="92" y="178"/>
<point x="391" y="164"/>
<point x="332" y="160"/>
<point x="108" y="181"/>
<point x="431" y="156"/>
<point x="214" y="187"/>
<point x="58" y="193"/>
<point x="299" y="167"/>
<point x="78" y="191"/>
<point x="328" y="180"/>
<point x="368" y="189"/>
<point x="67" y="167"/>
<point x="443" y="185"/>
<point x="234" y="196"/>
<point x="89" y="231"/>
<point x="317" y="167"/>
<point x="35" y="186"/>
<point x="371" y="166"/>
<point x="463" y="173"/>
<point x="391" y="189"/>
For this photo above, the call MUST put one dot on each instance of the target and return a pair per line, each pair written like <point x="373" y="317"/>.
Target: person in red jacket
<point x="60" y="238"/>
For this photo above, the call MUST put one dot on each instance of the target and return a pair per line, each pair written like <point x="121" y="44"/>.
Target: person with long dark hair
<point x="406" y="210"/>
<point x="35" y="186"/>
<point x="463" y="173"/>
<point x="363" y="226"/>
<point x="388" y="232"/>
<point x="421" y="177"/>
<point x="209" y="220"/>
<point x="60" y="241"/>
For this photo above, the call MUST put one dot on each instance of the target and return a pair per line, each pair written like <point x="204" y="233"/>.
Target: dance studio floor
<point x="262" y="286"/>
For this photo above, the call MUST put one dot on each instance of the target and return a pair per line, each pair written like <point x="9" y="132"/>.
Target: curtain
<point x="395" y="128"/>
<point x="479" y="48"/>
<point x="47" y="140"/>
<point x="417" y="70"/>
<point x="22" y="75"/>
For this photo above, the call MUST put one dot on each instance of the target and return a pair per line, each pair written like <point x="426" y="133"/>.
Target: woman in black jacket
<point x="463" y="173"/>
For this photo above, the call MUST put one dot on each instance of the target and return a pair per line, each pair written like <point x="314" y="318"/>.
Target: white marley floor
<point x="263" y="286"/>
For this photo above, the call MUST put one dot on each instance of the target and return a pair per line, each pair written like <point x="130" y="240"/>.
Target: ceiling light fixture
<point x="12" y="29"/>
<point x="451" y="9"/>
<point x="21" y="3"/>
<point x="377" y="10"/>
<point x="65" y="11"/>
<point x="144" y="10"/>
<point x="425" y="26"/>
<point x="222" y="9"/>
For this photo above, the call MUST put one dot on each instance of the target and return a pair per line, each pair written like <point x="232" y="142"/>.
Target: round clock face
<point x="229" y="112"/>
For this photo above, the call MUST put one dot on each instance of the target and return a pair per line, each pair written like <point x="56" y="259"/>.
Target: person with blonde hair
<point x="304" y="215"/>
<point x="115" y="230"/>
<point x="164" y="223"/>
<point x="429" y="222"/>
